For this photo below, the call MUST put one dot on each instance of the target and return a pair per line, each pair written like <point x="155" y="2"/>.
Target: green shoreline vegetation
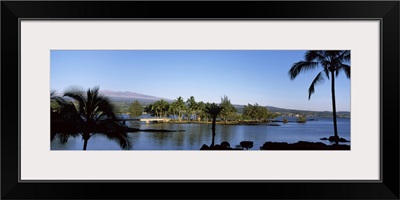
<point x="192" y="111"/>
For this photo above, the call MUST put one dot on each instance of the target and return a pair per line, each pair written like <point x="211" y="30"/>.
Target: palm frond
<point x="317" y="80"/>
<point x="330" y="54"/>
<point x="347" y="56"/>
<point x="78" y="96"/>
<point x="344" y="56"/>
<point x="214" y="109"/>
<point x="326" y="64"/>
<point x="345" y="68"/>
<point x="301" y="66"/>
<point x="65" y="121"/>
<point x="92" y="98"/>
<point x="312" y="56"/>
<point x="116" y="132"/>
<point x="63" y="136"/>
<point x="326" y="71"/>
<point x="53" y="94"/>
<point x="104" y="108"/>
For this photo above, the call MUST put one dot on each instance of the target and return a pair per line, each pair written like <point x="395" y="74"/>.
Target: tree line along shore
<point x="191" y="111"/>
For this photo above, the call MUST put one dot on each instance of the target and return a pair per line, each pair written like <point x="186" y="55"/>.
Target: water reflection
<point x="195" y="135"/>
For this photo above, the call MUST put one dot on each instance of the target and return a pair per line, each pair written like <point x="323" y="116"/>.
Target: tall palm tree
<point x="201" y="106"/>
<point x="172" y="109"/>
<point x="213" y="110"/>
<point x="94" y="114"/>
<point x="160" y="108"/>
<point x="332" y="62"/>
<point x="180" y="106"/>
<point x="192" y="105"/>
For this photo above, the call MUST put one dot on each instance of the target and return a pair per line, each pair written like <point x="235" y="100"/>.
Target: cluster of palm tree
<point x="191" y="109"/>
<point x="79" y="113"/>
<point x="332" y="63"/>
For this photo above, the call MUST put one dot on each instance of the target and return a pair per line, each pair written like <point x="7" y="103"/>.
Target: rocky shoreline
<point x="302" y="145"/>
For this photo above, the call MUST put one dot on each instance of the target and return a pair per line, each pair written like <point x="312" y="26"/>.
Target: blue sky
<point x="245" y="76"/>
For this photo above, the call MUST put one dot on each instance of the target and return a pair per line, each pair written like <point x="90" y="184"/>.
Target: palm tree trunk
<point x="85" y="145"/>
<point x="85" y="137"/>
<point x="334" y="108"/>
<point x="213" y="131"/>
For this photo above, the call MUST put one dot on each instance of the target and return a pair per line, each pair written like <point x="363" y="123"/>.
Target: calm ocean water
<point x="194" y="136"/>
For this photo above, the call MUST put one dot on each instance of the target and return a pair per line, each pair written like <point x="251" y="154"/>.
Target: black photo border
<point x="385" y="11"/>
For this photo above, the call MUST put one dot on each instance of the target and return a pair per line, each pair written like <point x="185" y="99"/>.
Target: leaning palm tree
<point x="213" y="110"/>
<point x="94" y="114"/>
<point x="332" y="62"/>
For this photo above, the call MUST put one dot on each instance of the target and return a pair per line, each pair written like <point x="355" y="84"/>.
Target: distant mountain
<point x="286" y="110"/>
<point x="125" y="98"/>
<point x="129" y="96"/>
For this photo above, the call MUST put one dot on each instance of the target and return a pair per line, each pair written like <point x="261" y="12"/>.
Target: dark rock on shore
<point x="246" y="144"/>
<point x="272" y="124"/>
<point x="259" y="123"/>
<point x="302" y="145"/>
<point x="343" y="140"/>
<point x="333" y="139"/>
<point x="215" y="147"/>
<point x="204" y="147"/>
<point x="223" y="146"/>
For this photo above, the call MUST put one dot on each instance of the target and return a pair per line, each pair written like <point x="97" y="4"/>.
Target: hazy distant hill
<point x="308" y="112"/>
<point x="130" y="96"/>
<point x="286" y="111"/>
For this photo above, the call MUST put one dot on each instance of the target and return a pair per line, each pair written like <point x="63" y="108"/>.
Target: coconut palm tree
<point x="172" y="109"/>
<point x="213" y="110"/>
<point x="93" y="114"/>
<point x="332" y="62"/>
<point x="201" y="106"/>
<point x="160" y="107"/>
<point x="180" y="106"/>
<point x="192" y="106"/>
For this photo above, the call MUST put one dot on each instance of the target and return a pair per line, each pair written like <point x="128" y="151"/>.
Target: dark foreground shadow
<point x="223" y="146"/>
<point x="302" y="145"/>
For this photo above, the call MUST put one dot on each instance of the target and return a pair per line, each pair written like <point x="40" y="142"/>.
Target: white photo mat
<point x="362" y="37"/>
